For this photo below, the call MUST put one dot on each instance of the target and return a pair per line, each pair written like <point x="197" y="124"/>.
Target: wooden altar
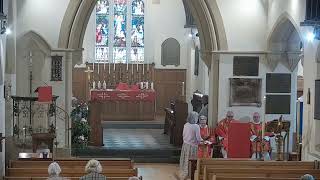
<point x="123" y="105"/>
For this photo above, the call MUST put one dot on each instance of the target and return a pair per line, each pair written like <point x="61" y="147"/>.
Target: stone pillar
<point x="213" y="86"/>
<point x="68" y="95"/>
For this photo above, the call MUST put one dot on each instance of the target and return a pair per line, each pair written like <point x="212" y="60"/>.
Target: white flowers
<point x="81" y="137"/>
<point x="83" y="120"/>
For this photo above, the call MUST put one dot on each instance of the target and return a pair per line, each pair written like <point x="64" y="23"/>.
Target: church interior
<point x="160" y="89"/>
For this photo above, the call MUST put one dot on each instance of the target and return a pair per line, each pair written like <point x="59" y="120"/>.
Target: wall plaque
<point x="246" y="66"/>
<point x="278" y="83"/>
<point x="245" y="92"/>
<point x="170" y="52"/>
<point x="278" y="104"/>
<point x="56" y="68"/>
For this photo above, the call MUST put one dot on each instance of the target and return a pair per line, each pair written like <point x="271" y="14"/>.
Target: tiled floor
<point x="135" y="139"/>
<point x="158" y="171"/>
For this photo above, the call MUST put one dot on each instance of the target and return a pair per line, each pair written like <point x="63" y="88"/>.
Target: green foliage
<point x="80" y="127"/>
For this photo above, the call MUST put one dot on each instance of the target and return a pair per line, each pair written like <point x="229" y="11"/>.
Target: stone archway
<point x="208" y="20"/>
<point x="284" y="43"/>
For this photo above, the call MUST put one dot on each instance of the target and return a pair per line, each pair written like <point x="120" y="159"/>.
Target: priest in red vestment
<point x="222" y="132"/>
<point x="260" y="146"/>
<point x="205" y="147"/>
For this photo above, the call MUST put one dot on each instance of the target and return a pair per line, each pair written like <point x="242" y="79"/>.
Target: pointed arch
<point x="284" y="43"/>
<point x="283" y="23"/>
<point x="38" y="40"/>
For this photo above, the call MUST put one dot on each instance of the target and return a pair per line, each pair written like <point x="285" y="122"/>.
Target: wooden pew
<point x="253" y="178"/>
<point x="241" y="163"/>
<point x="106" y="164"/>
<point x="70" y="178"/>
<point x="68" y="172"/>
<point x="211" y="173"/>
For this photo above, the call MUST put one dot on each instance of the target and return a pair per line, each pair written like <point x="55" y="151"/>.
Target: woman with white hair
<point x="191" y="140"/>
<point x="93" y="168"/>
<point x="54" y="171"/>
<point x="307" y="177"/>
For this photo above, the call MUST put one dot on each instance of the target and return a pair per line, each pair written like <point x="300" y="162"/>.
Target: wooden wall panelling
<point x="168" y="86"/>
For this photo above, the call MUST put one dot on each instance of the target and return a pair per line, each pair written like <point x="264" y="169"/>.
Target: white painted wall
<point x="43" y="17"/>
<point x="245" y="24"/>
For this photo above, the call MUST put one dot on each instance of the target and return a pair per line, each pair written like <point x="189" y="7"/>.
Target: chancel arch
<point x="170" y="52"/>
<point x="209" y="24"/>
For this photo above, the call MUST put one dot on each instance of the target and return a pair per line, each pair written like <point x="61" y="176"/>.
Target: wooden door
<point x="170" y="84"/>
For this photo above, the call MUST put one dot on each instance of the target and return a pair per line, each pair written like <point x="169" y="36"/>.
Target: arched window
<point x="120" y="31"/>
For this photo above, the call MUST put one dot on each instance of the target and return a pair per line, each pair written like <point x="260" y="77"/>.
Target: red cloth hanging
<point x="44" y="94"/>
<point x="239" y="140"/>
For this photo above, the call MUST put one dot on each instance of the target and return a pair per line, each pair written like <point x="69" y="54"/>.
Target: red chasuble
<point x="256" y="146"/>
<point x="222" y="131"/>
<point x="204" y="150"/>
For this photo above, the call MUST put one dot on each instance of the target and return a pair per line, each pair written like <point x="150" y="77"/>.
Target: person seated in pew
<point x="222" y="131"/>
<point x="205" y="148"/>
<point x="191" y="140"/>
<point x="93" y="170"/>
<point x="134" y="178"/>
<point x="54" y="171"/>
<point x="260" y="146"/>
<point x="307" y="177"/>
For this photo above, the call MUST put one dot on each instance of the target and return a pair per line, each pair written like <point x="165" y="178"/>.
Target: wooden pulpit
<point x="239" y="140"/>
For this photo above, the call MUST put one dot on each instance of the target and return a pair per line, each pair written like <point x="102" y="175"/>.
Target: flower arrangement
<point x="80" y="126"/>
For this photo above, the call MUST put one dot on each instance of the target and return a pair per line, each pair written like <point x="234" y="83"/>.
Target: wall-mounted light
<point x="310" y="36"/>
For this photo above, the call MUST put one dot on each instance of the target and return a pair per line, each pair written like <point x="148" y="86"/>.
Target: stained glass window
<point x="102" y="30"/>
<point x="123" y="40"/>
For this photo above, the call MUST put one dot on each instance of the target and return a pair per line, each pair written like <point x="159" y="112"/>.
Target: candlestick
<point x="127" y="64"/>
<point x="264" y="117"/>
<point x="109" y="66"/>
<point x="137" y="66"/>
<point x="143" y="68"/>
<point x="131" y="67"/>
<point x="104" y="62"/>
<point x="98" y="67"/>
